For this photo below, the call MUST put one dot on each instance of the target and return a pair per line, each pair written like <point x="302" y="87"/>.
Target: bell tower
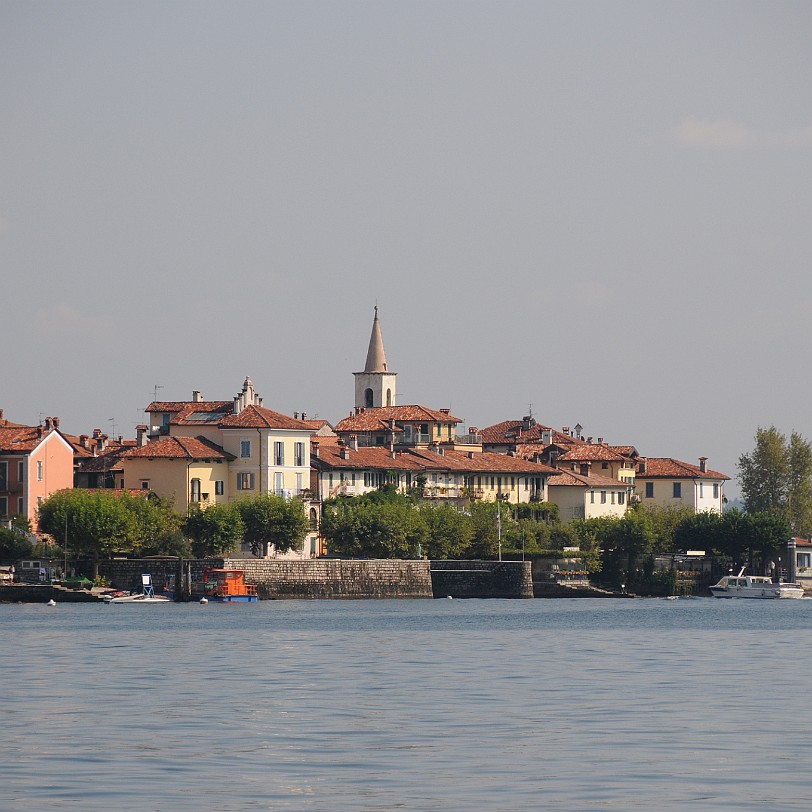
<point x="376" y="385"/>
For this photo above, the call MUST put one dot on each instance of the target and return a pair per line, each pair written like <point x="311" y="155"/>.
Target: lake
<point x="568" y="704"/>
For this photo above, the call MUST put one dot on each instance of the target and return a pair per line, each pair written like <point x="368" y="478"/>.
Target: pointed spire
<point x="376" y="357"/>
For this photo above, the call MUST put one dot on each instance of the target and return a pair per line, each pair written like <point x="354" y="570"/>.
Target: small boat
<point x="220" y="586"/>
<point x="146" y="596"/>
<point x="754" y="586"/>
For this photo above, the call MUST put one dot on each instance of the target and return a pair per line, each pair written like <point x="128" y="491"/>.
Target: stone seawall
<point x="42" y="593"/>
<point x="345" y="578"/>
<point x="481" y="579"/>
<point x="276" y="579"/>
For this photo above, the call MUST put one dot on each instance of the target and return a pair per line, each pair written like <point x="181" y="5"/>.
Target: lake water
<point x="570" y="704"/>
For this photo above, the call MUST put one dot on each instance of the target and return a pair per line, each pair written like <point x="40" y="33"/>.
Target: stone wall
<point x="42" y="593"/>
<point x="346" y="578"/>
<point x="481" y="579"/>
<point x="316" y="578"/>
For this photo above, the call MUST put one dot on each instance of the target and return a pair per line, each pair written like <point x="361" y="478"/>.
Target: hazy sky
<point x="602" y="209"/>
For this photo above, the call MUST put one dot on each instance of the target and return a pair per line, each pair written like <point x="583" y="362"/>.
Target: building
<point x="35" y="461"/>
<point x="672" y="483"/>
<point x="581" y="494"/>
<point x="376" y="385"/>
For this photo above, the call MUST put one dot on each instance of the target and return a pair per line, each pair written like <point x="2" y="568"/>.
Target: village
<point x="199" y="453"/>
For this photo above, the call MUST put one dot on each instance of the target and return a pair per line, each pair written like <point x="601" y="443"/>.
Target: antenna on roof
<point x="155" y="396"/>
<point x="112" y="420"/>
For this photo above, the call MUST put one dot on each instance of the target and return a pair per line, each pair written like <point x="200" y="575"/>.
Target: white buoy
<point x="450" y="597"/>
<point x="51" y="602"/>
<point x="204" y="600"/>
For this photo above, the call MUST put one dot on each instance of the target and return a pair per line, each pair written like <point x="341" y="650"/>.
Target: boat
<point x="220" y="585"/>
<point x="147" y="595"/>
<point x="754" y="586"/>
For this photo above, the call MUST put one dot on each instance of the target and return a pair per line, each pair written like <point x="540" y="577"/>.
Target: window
<point x="604" y="465"/>
<point x="3" y="477"/>
<point x="612" y="497"/>
<point x="20" y="471"/>
<point x="603" y="497"/>
<point x="219" y="487"/>
<point x="592" y="497"/>
<point x="368" y="398"/>
<point x="3" y="506"/>
<point x="701" y="489"/>
<point x="677" y="490"/>
<point x="145" y="484"/>
<point x="804" y="560"/>
<point x="299" y="482"/>
<point x="245" y="482"/>
<point x="195" y="497"/>
<point x="279" y="483"/>
<point x="39" y="470"/>
<point x="621" y="498"/>
<point x="245" y="448"/>
<point x="20" y="508"/>
<point x="298" y="454"/>
<point x="715" y="490"/>
<point x="278" y="452"/>
<point x="649" y="490"/>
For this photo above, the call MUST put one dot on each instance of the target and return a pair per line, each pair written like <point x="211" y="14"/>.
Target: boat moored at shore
<point x="760" y="587"/>
<point x="219" y="585"/>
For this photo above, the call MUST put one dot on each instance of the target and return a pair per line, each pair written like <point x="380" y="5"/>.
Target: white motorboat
<point x="754" y="586"/>
<point x="147" y="596"/>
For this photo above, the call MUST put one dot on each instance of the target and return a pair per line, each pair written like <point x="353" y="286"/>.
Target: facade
<point x="192" y="471"/>
<point x="601" y="459"/>
<point x="352" y="470"/>
<point x="587" y="496"/>
<point x="35" y="461"/>
<point x="671" y="483"/>
<point x="399" y="427"/>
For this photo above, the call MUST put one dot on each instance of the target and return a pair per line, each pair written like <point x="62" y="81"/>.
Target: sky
<point x="597" y="212"/>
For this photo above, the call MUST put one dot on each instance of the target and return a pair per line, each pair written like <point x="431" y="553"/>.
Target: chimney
<point x="296" y="415"/>
<point x="703" y="464"/>
<point x="39" y="431"/>
<point x="96" y="434"/>
<point x="49" y="423"/>
<point x="565" y="430"/>
<point x="600" y="439"/>
<point x="526" y="422"/>
<point x="83" y="440"/>
<point x="304" y="415"/>
<point x="470" y="455"/>
<point x="585" y="466"/>
<point x="140" y="436"/>
<point x="343" y="451"/>
<point x="314" y="448"/>
<point x="197" y="396"/>
<point x="642" y="466"/>
<point x="446" y="411"/>
<point x="354" y="442"/>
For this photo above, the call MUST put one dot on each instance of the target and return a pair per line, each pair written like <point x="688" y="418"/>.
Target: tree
<point x="94" y="523"/>
<point x="273" y="519"/>
<point x="449" y="532"/>
<point x="215" y="531"/>
<point x="14" y="545"/>
<point x="776" y="478"/>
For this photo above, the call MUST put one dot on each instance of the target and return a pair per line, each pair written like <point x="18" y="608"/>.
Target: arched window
<point x="388" y="397"/>
<point x="368" y="398"/>
<point x="314" y="519"/>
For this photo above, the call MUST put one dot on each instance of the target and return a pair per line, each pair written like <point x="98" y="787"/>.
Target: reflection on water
<point x="416" y="705"/>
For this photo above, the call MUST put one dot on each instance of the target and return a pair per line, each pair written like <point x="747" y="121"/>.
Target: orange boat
<point x="222" y="585"/>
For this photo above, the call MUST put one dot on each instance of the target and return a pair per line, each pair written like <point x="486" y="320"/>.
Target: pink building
<point x="35" y="461"/>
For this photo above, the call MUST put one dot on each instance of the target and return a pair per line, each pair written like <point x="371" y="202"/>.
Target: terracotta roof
<point x="377" y="418"/>
<point x="179" y="448"/>
<point x="674" y="469"/>
<point x="262" y="418"/>
<point x="513" y="432"/>
<point x="592" y="481"/>
<point x="190" y="405"/>
<point x="21" y="439"/>
<point x="481" y="462"/>
<point x="625" y="450"/>
<point x="366" y="457"/>
<point x="596" y="452"/>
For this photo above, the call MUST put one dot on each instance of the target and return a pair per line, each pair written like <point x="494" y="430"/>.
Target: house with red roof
<point x="35" y="461"/>
<point x="202" y="452"/>
<point x="583" y="494"/>
<point x="673" y="483"/>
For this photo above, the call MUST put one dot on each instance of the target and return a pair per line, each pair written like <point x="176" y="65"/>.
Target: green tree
<point x="215" y="531"/>
<point x="13" y="545"/>
<point x="273" y="519"/>
<point x="94" y="523"/>
<point x="449" y="532"/>
<point x="776" y="478"/>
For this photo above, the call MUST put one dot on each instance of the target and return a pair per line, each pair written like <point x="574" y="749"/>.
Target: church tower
<point x="375" y="386"/>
